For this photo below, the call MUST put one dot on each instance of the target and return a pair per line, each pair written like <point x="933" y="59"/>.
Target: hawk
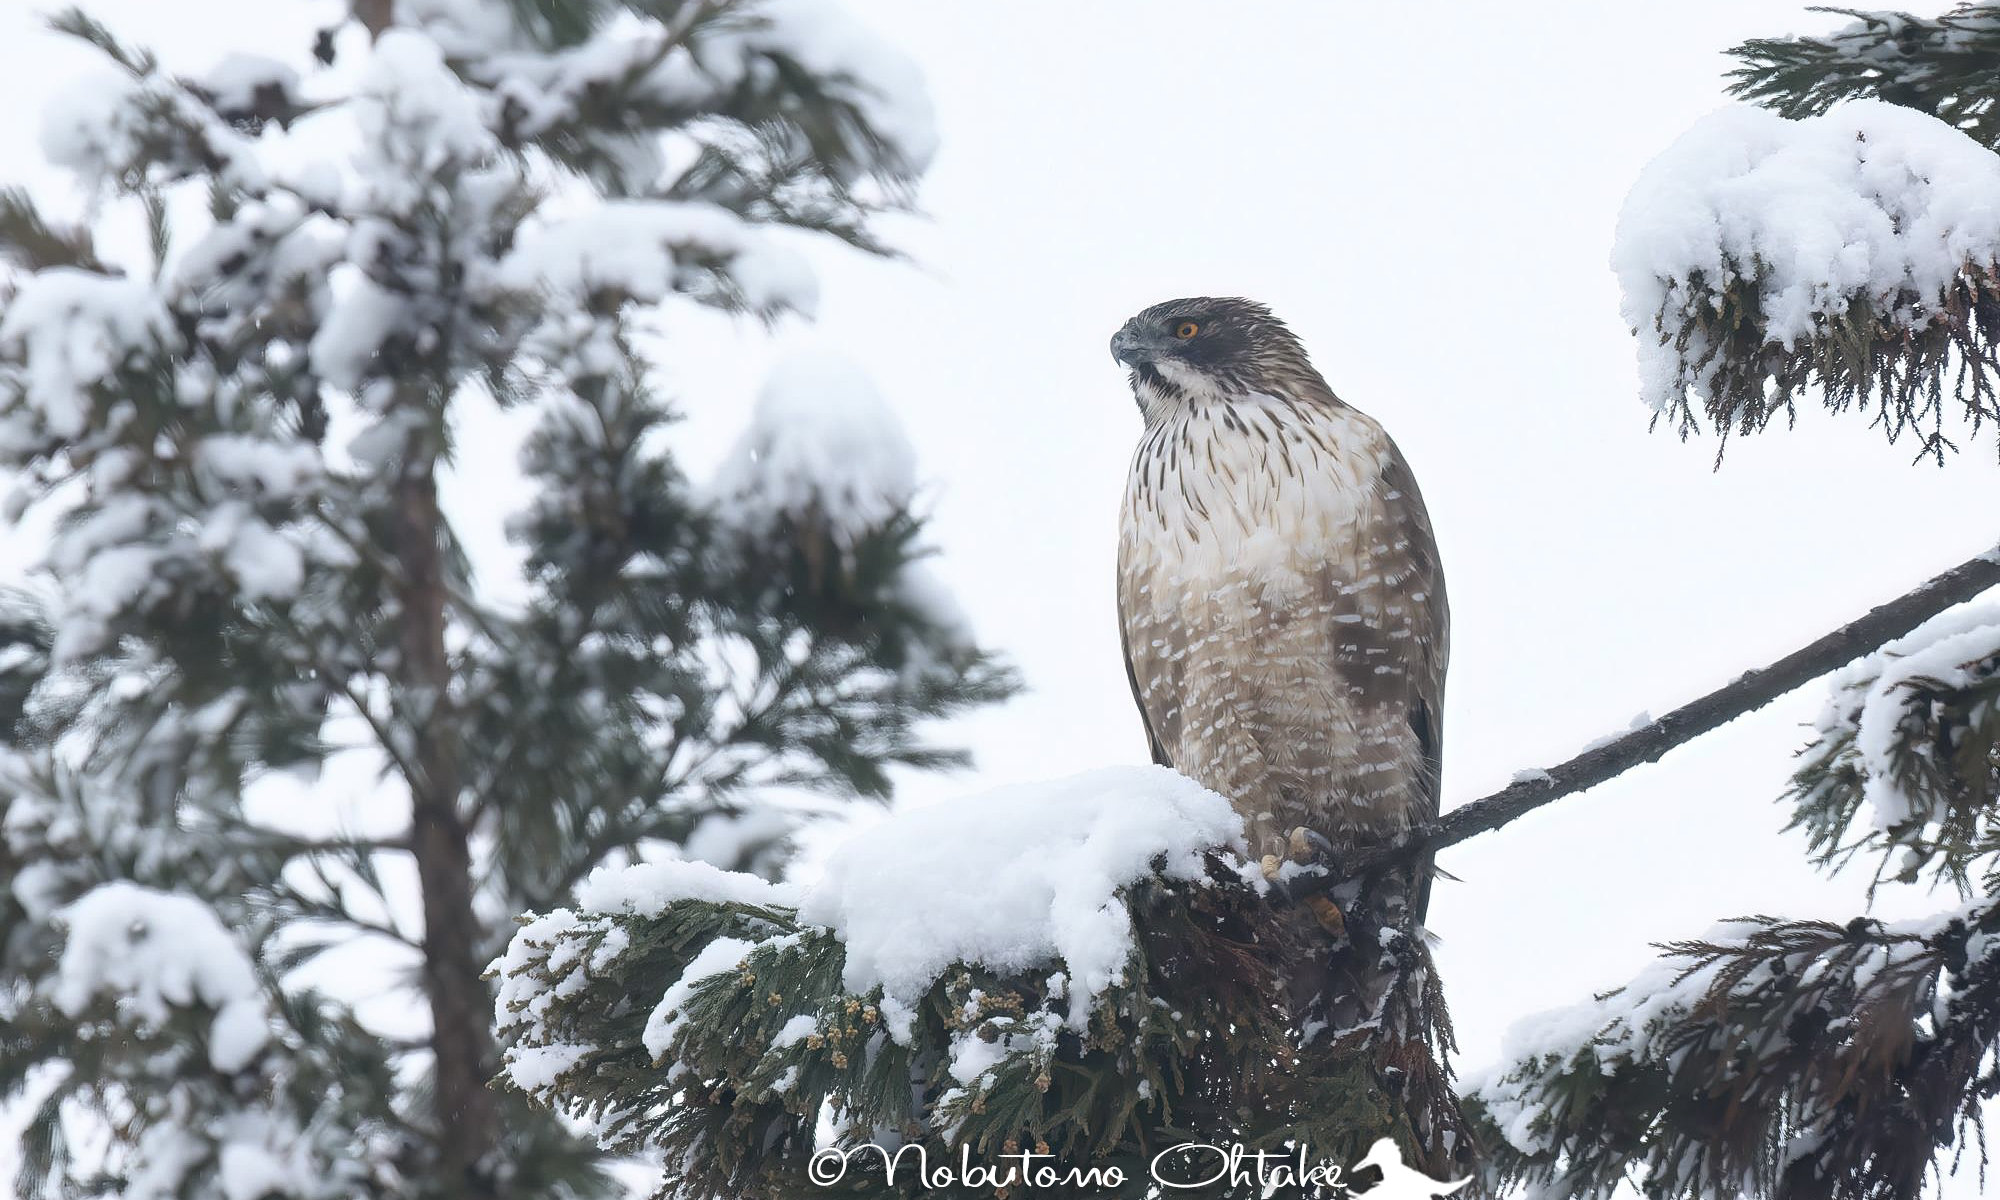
<point x="1284" y="627"/>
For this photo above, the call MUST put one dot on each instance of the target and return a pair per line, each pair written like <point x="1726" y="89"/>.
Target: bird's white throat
<point x="1250" y="488"/>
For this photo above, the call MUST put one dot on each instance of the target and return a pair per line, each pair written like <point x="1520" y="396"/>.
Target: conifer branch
<point x="1648" y="743"/>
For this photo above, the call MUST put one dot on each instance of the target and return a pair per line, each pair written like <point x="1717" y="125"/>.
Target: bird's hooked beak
<point x="1132" y="347"/>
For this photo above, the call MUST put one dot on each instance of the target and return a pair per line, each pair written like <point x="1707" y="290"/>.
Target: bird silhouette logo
<point x="1399" y="1182"/>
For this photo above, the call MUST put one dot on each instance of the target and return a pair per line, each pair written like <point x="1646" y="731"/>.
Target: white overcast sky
<point x="1427" y="195"/>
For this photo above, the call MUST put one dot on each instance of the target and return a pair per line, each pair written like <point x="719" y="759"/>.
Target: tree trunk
<point x="460" y="1008"/>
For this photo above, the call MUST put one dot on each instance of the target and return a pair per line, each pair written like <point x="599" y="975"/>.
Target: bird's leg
<point x="1306" y="848"/>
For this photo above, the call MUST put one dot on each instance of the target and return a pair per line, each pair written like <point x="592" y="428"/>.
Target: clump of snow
<point x="156" y="951"/>
<point x="1870" y="202"/>
<point x="647" y="250"/>
<point x="1049" y="859"/>
<point x="645" y="889"/>
<point x="94" y="125"/>
<point x="249" y="1171"/>
<point x="536" y="1067"/>
<point x="262" y="562"/>
<point x="263" y="467"/>
<point x="1638" y="722"/>
<point x="822" y="447"/>
<point x="246" y="83"/>
<point x="796" y="1030"/>
<point x="109" y="125"/>
<point x="271" y="247"/>
<point x="72" y="330"/>
<point x="363" y="317"/>
<point x="973" y="1055"/>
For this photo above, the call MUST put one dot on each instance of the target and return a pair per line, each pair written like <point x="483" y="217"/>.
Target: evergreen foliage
<point x="1810" y="1059"/>
<point x="238" y="436"/>
<point x="1916" y="345"/>
<point x="1938" y="65"/>
<point x="755" y="1040"/>
<point x="1794" y="1058"/>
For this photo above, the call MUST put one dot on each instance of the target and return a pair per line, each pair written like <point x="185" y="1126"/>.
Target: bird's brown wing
<point x="1409" y="524"/>
<point x="1132" y="677"/>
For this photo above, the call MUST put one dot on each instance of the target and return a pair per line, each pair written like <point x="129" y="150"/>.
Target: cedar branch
<point x="1746" y="693"/>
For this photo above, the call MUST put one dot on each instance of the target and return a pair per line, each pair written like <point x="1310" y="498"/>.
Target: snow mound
<point x="1870" y="202"/>
<point x="822" y="446"/>
<point x="1047" y="861"/>
<point x="157" y="951"/>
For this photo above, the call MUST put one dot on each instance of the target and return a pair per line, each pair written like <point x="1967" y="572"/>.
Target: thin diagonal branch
<point x="1744" y="694"/>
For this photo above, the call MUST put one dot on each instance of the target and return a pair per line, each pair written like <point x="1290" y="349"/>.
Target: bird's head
<point x="1209" y="347"/>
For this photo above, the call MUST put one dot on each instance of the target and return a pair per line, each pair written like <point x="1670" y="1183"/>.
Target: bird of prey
<point x="1284" y="627"/>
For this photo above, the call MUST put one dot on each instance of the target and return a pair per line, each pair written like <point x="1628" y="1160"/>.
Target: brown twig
<point x="1647" y="743"/>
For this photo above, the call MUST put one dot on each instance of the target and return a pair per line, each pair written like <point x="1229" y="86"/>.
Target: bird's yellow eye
<point x="1186" y="330"/>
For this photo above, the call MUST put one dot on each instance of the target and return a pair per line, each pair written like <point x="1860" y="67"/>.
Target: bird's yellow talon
<point x="1300" y="846"/>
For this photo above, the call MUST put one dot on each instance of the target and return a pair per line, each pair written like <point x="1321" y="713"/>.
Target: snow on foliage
<point x="1765" y="1050"/>
<point x="248" y="83"/>
<point x="72" y="331"/>
<point x="645" y="889"/>
<point x="94" y="124"/>
<point x="1871" y="731"/>
<point x="879" y="80"/>
<point x="722" y="955"/>
<point x="822" y="446"/>
<point x="648" y="250"/>
<point x="1612" y="1030"/>
<point x="1050" y="859"/>
<point x="154" y="951"/>
<point x="760" y="42"/>
<point x="418" y="120"/>
<point x="1869" y="205"/>
<point x="234" y="401"/>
